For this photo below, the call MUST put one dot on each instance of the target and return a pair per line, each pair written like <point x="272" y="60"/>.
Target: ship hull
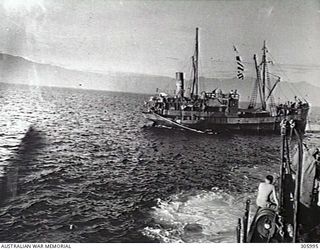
<point x="270" y="124"/>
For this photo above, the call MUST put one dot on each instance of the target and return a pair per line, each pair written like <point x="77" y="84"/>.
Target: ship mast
<point x="258" y="85"/>
<point x="264" y="64"/>
<point x="195" y="65"/>
<point x="261" y="83"/>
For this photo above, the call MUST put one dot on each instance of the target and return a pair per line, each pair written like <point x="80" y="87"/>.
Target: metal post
<point x="245" y="222"/>
<point x="297" y="189"/>
<point x="283" y="127"/>
<point x="239" y="231"/>
<point x="197" y="60"/>
<point x="288" y="156"/>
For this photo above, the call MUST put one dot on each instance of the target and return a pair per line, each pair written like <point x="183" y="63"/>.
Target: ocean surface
<point x="82" y="166"/>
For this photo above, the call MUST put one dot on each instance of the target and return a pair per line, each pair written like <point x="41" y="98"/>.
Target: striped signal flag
<point x="240" y="66"/>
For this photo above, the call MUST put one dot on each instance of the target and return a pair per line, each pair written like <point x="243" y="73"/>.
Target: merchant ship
<point x="217" y="111"/>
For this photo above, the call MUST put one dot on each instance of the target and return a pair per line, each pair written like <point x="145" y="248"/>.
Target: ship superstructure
<point x="218" y="111"/>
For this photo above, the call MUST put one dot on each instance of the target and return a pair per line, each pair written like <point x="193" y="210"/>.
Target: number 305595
<point x="309" y="246"/>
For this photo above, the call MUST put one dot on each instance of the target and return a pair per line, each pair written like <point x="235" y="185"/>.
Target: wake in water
<point x="200" y="216"/>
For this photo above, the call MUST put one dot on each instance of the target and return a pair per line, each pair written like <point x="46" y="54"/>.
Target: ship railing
<point x="221" y="96"/>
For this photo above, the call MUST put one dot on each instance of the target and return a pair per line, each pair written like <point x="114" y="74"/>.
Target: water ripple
<point x="79" y="166"/>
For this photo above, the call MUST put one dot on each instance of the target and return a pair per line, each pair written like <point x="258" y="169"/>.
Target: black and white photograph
<point x="148" y="121"/>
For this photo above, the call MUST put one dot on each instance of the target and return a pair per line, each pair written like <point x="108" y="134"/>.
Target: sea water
<point x="81" y="166"/>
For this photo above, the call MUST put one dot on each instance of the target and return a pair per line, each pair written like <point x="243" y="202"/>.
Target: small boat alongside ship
<point x="217" y="111"/>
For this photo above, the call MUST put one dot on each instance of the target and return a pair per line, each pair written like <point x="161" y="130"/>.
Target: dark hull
<point x="234" y="124"/>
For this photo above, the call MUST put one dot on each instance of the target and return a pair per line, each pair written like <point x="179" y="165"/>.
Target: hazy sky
<point x="157" y="37"/>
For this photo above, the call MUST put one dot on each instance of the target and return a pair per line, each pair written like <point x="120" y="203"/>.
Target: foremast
<point x="264" y="69"/>
<point x="195" y="67"/>
<point x="263" y="83"/>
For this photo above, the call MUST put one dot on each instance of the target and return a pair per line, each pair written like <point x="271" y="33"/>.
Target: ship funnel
<point x="179" y="84"/>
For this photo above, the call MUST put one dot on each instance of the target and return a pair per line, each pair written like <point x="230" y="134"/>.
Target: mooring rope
<point x="179" y="125"/>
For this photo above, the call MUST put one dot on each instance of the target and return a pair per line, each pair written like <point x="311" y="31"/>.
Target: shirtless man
<point x="265" y="189"/>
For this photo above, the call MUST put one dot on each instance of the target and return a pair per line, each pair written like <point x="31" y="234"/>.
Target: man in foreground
<point x="267" y="190"/>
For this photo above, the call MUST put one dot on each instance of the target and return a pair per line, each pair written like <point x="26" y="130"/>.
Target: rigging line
<point x="273" y="74"/>
<point x="281" y="90"/>
<point x="289" y="80"/>
<point x="199" y="76"/>
<point x="190" y="79"/>
<point x="229" y="61"/>
<point x="279" y="65"/>
<point x="186" y="64"/>
<point x="188" y="76"/>
<point x="291" y="88"/>
<point x="272" y="103"/>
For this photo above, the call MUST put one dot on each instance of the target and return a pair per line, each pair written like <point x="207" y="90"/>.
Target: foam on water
<point x="199" y="216"/>
<point x="2" y="171"/>
<point x="85" y="158"/>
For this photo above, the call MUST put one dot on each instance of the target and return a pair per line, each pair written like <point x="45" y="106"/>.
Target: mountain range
<point x="18" y="70"/>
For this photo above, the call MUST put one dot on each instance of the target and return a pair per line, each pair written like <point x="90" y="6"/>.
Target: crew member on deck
<point x="316" y="155"/>
<point x="265" y="190"/>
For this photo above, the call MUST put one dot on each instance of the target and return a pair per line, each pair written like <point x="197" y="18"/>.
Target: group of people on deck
<point x="290" y="108"/>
